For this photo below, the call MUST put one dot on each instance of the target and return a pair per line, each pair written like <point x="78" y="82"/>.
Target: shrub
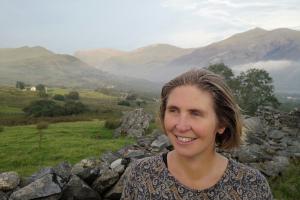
<point x="42" y="125"/>
<point x="58" y="97"/>
<point x="73" y="107"/>
<point x="131" y="97"/>
<point x="43" y="108"/>
<point x="124" y="103"/>
<point x="73" y="95"/>
<point x="112" y="124"/>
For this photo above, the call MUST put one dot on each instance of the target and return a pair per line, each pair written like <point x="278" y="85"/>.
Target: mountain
<point x="35" y="65"/>
<point x="251" y="46"/>
<point x="96" y="57"/>
<point x="141" y="62"/>
<point x="277" y="51"/>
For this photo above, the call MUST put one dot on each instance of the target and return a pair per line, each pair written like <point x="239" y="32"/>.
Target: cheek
<point x="169" y="122"/>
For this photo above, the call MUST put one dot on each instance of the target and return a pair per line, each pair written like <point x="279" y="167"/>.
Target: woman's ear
<point x="221" y="130"/>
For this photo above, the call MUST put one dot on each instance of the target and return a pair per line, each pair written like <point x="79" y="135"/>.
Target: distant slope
<point x="277" y="51"/>
<point x="95" y="57"/>
<point x="251" y="46"/>
<point x="254" y="48"/>
<point x="141" y="62"/>
<point x="38" y="65"/>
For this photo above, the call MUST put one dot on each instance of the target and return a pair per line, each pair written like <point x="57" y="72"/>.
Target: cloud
<point x="270" y="66"/>
<point x="192" y="38"/>
<point x="267" y="14"/>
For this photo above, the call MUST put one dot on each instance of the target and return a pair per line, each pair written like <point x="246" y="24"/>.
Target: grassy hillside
<point x="19" y="145"/>
<point x="37" y="65"/>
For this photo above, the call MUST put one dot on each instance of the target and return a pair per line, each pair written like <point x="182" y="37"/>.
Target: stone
<point x="253" y="139"/>
<point x="118" y="166"/>
<point x="9" y="181"/>
<point x="162" y="141"/>
<point x="106" y="180"/>
<point x="276" y="134"/>
<point x="253" y="125"/>
<point x="134" y="124"/>
<point x="42" y="172"/>
<point x="276" y="166"/>
<point x="89" y="162"/>
<point x="135" y="154"/>
<point x="88" y="174"/>
<point x="79" y="190"/>
<point x="46" y="186"/>
<point x="63" y="170"/>
<point x="116" y="191"/>
<point x="252" y="153"/>
<point x="109" y="157"/>
<point x="144" y="141"/>
<point x="3" y="196"/>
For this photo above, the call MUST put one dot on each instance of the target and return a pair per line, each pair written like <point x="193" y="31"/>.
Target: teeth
<point x="184" y="139"/>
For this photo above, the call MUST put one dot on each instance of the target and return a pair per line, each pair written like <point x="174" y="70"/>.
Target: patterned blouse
<point x="149" y="178"/>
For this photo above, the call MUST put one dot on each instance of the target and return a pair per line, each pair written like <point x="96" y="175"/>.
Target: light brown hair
<point x="226" y="109"/>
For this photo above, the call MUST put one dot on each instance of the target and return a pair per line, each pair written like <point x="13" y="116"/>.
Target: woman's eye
<point x="196" y="113"/>
<point x="172" y="110"/>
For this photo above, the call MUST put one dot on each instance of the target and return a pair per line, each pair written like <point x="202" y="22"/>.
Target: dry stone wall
<point x="268" y="146"/>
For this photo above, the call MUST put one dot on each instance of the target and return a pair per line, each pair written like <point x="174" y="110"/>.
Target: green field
<point x="19" y="145"/>
<point x="287" y="186"/>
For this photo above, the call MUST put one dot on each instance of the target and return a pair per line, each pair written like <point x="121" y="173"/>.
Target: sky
<point x="65" y="26"/>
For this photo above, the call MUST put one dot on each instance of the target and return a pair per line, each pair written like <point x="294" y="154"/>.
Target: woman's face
<point x="190" y="121"/>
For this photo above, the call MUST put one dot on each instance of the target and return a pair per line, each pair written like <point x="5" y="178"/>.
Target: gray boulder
<point x="276" y="134"/>
<point x="3" y="196"/>
<point x="63" y="170"/>
<point x="162" y="141"/>
<point x="116" y="191"/>
<point x="252" y="153"/>
<point x="9" y="181"/>
<point x="76" y="189"/>
<point x="106" y="180"/>
<point x="253" y="125"/>
<point x="47" y="186"/>
<point x="134" y="124"/>
<point x="87" y="169"/>
<point x="42" y="172"/>
<point x="118" y="166"/>
<point x="109" y="157"/>
<point x="274" y="167"/>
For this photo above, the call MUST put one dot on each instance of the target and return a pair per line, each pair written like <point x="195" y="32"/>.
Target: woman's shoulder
<point x="244" y="172"/>
<point x="249" y="180"/>
<point x="150" y="164"/>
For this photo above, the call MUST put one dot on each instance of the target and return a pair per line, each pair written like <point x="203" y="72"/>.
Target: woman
<point x="197" y="113"/>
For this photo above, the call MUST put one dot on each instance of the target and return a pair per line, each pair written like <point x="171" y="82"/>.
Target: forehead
<point x="190" y="96"/>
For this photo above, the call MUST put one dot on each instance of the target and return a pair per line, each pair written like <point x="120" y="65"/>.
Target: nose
<point x="182" y="124"/>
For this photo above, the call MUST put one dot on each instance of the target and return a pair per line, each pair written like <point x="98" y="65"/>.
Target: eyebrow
<point x="172" y="107"/>
<point x="190" y="110"/>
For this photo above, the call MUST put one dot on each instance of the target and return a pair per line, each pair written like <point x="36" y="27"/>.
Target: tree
<point x="226" y="73"/>
<point x="255" y="88"/>
<point x="73" y="95"/>
<point x="41" y="90"/>
<point x="131" y="97"/>
<point x="74" y="107"/>
<point x="222" y="70"/>
<point x="20" y="85"/>
<point x="43" y="108"/>
<point x="58" y="97"/>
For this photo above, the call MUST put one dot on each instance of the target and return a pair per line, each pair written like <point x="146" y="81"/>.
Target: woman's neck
<point x="197" y="168"/>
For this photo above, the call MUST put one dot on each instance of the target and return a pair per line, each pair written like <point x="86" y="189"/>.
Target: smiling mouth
<point x="185" y="139"/>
